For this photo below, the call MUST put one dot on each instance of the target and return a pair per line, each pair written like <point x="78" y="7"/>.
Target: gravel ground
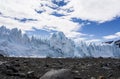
<point x="81" y="68"/>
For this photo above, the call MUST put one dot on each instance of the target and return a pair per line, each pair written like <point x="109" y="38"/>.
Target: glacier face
<point x="98" y="50"/>
<point x="15" y="44"/>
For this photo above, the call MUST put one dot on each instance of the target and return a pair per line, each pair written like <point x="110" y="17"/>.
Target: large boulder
<point x="58" y="74"/>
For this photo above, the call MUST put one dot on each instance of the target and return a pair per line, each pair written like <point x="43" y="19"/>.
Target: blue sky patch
<point x="69" y="10"/>
<point x="57" y="14"/>
<point x="59" y="3"/>
<point x="39" y="11"/>
<point x="102" y="29"/>
<point x="0" y="13"/>
<point x="40" y="32"/>
<point x="23" y="20"/>
<point x="78" y="20"/>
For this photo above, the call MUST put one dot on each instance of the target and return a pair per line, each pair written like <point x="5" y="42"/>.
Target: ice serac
<point x="61" y="44"/>
<point x="98" y="50"/>
<point x="16" y="44"/>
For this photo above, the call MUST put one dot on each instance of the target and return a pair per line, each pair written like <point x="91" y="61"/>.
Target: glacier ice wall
<point x="97" y="50"/>
<point x="14" y="43"/>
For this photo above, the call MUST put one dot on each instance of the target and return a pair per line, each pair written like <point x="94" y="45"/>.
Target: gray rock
<point x="107" y="68"/>
<point x="22" y="75"/>
<point x="30" y="73"/>
<point x="119" y="78"/>
<point x="58" y="74"/>
<point x="93" y="78"/>
<point x="1" y="62"/>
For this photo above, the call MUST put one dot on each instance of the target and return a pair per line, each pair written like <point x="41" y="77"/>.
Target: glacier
<point x="14" y="43"/>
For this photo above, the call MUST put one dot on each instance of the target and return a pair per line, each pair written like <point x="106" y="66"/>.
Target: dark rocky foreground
<point x="84" y="68"/>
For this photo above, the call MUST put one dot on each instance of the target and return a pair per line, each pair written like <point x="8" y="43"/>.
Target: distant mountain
<point x="14" y="43"/>
<point x="117" y="42"/>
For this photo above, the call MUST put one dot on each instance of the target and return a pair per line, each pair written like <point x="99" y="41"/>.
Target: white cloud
<point x="114" y="36"/>
<point x="93" y="10"/>
<point x="94" y="40"/>
<point x="75" y="35"/>
<point x="25" y="9"/>
<point x="78" y="40"/>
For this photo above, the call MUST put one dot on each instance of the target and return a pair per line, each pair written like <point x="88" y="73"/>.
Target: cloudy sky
<point x="88" y="20"/>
